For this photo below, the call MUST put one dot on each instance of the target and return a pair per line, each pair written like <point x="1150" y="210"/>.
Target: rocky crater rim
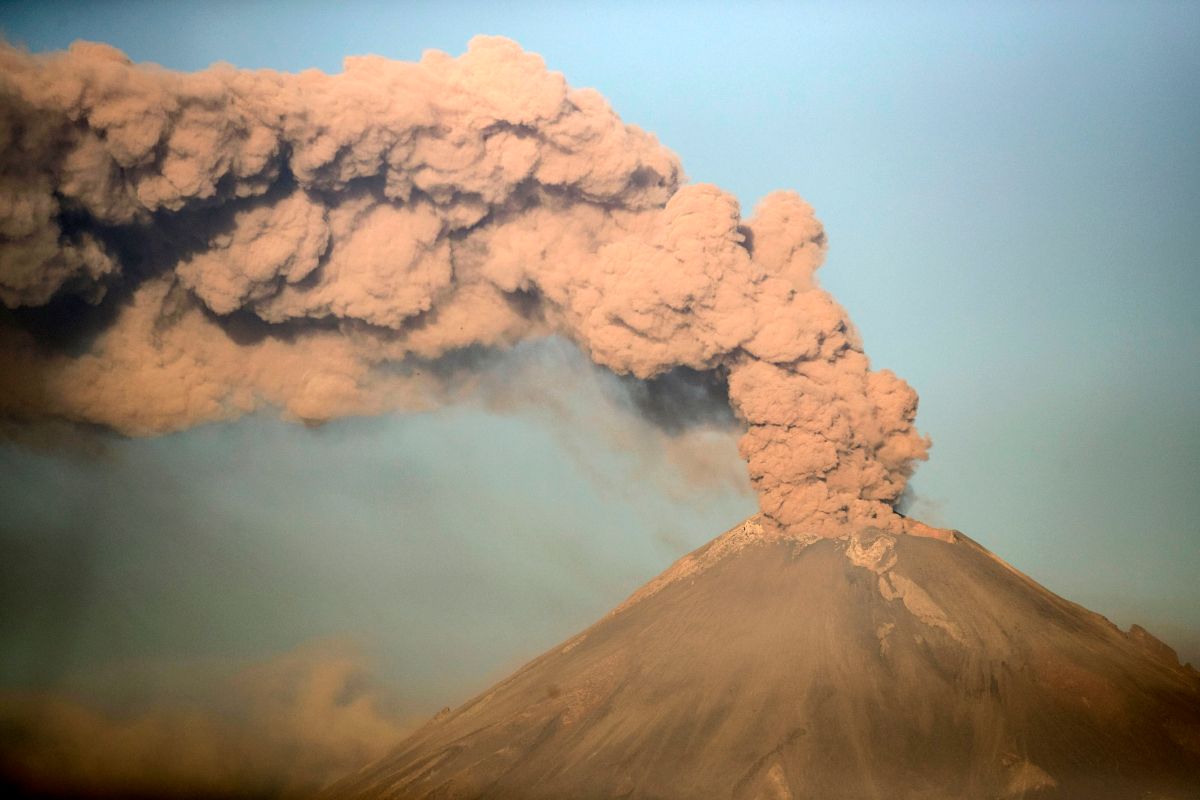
<point x="758" y="529"/>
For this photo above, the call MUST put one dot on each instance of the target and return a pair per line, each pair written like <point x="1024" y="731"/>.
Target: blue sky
<point x="1012" y="196"/>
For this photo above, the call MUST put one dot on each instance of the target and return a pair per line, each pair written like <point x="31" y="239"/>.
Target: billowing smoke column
<point x="178" y="248"/>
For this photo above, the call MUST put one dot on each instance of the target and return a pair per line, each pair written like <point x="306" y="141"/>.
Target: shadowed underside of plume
<point x="867" y="667"/>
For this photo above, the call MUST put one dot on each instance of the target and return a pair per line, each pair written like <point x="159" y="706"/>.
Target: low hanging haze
<point x="1011" y="197"/>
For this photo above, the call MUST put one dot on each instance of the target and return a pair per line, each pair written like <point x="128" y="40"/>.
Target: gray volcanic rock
<point x="873" y="666"/>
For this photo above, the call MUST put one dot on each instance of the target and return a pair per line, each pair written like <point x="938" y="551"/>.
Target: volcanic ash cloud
<point x="179" y="248"/>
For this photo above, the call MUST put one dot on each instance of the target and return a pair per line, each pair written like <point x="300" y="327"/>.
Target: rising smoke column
<point x="179" y="248"/>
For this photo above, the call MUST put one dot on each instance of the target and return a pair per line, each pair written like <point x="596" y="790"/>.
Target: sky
<point x="1012" y="199"/>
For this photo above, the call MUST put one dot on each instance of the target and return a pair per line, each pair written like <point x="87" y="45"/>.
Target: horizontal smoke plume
<point x="180" y="248"/>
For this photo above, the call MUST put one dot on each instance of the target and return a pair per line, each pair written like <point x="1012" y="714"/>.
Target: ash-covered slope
<point x="873" y="666"/>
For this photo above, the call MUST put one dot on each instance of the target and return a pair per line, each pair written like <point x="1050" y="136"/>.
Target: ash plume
<point x="180" y="248"/>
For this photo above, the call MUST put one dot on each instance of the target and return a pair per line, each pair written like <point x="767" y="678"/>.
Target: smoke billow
<point x="179" y="248"/>
<point x="282" y="728"/>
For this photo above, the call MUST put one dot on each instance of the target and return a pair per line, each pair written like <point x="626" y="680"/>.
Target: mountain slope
<point x="873" y="666"/>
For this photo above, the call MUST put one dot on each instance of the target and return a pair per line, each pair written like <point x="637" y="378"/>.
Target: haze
<point x="1011" y="202"/>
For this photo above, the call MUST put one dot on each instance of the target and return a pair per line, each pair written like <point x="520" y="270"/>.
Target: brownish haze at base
<point x="868" y="667"/>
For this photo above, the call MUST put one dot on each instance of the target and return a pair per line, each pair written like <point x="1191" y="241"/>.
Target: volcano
<point x="870" y="666"/>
